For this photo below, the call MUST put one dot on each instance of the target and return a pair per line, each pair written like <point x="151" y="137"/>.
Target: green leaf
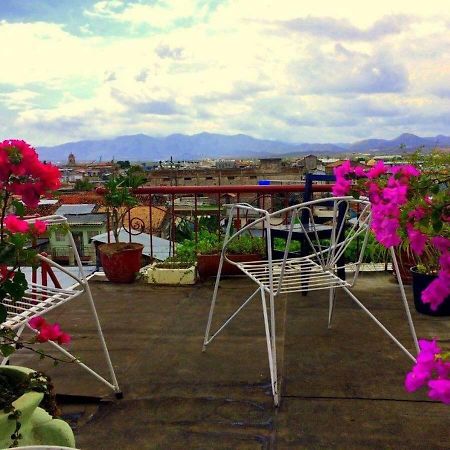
<point x="7" y="350"/>
<point x="7" y="252"/>
<point x="18" y="239"/>
<point x="435" y="189"/>
<point x="17" y="286"/>
<point x="19" y="207"/>
<point x="3" y="313"/>
<point x="437" y="226"/>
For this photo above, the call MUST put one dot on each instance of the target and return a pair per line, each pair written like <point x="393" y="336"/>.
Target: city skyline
<point x="326" y="72"/>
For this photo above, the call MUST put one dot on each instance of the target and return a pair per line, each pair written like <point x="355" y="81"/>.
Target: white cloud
<point x="158" y="14"/>
<point x="235" y="69"/>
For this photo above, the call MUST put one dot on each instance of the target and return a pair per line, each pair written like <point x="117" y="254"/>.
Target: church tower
<point x="71" y="160"/>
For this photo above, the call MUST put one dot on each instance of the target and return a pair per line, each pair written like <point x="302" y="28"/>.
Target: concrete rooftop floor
<point x="341" y="388"/>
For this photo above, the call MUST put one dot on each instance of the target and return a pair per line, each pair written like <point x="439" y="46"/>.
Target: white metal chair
<point x="316" y="271"/>
<point x="41" y="298"/>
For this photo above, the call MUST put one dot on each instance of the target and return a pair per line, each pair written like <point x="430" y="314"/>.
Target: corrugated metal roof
<point x="86" y="219"/>
<point x="64" y="210"/>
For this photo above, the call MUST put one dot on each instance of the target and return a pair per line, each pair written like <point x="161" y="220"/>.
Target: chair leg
<point x="213" y="304"/>
<point x="386" y="331"/>
<point x="405" y="300"/>
<point x="331" y="301"/>
<point x="270" y="340"/>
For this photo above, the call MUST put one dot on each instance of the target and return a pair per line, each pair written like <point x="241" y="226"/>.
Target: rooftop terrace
<point x="341" y="388"/>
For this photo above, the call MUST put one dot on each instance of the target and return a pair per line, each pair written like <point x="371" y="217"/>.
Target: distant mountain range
<point x="141" y="147"/>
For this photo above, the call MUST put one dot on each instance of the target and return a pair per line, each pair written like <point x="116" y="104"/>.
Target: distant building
<point x="225" y="164"/>
<point x="84" y="224"/>
<point x="71" y="160"/>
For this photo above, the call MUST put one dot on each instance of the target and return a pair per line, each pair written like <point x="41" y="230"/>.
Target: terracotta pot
<point x="208" y="265"/>
<point x="121" y="262"/>
<point x="419" y="283"/>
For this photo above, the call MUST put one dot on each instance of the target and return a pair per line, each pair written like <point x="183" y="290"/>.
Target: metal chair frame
<point x="315" y="271"/>
<point x="39" y="299"/>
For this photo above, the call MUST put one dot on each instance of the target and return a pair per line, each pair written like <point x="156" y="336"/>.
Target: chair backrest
<point x="350" y="222"/>
<point x="308" y="192"/>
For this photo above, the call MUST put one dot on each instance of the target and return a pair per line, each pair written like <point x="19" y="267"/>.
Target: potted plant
<point x="121" y="261"/>
<point x="22" y="420"/>
<point x="412" y="206"/>
<point x="22" y="390"/>
<point x="207" y="252"/>
<point x="172" y="271"/>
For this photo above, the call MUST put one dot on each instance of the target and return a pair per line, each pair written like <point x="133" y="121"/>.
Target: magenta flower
<point x="36" y="322"/>
<point x="64" y="338"/>
<point x="437" y="291"/>
<point x="407" y="170"/>
<point x="344" y="169"/>
<point x="15" y="225"/>
<point x="416" y="379"/>
<point x="396" y="194"/>
<point x="439" y="390"/>
<point x="359" y="172"/>
<point x="441" y="243"/>
<point x="417" y="240"/>
<point x="49" y="332"/>
<point x="342" y="187"/>
<point x="417" y="214"/>
<point x="39" y="226"/>
<point x="378" y="169"/>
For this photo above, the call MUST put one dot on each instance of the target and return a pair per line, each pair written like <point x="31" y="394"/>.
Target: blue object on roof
<point x="264" y="182"/>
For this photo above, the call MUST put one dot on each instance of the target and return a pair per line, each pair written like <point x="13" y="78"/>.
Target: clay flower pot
<point x="121" y="261"/>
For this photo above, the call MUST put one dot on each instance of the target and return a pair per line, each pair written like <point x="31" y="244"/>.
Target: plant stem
<point x="3" y="214"/>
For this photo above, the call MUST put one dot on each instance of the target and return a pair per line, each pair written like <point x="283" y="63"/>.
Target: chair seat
<point x="301" y="275"/>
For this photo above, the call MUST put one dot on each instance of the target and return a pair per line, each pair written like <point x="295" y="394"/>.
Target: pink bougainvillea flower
<point x="54" y="331"/>
<point x="342" y="187"/>
<point x="430" y="370"/>
<point x="406" y="170"/>
<point x="39" y="226"/>
<point x="417" y="378"/>
<point x="378" y="169"/>
<point x="439" y="390"/>
<point x="417" y="240"/>
<point x="44" y="334"/>
<point x="48" y="331"/>
<point x="36" y="322"/>
<point x="19" y="161"/>
<point x="64" y="338"/>
<point x="344" y="169"/>
<point x="441" y="243"/>
<point x="437" y="291"/>
<point x="15" y="225"/>
<point x="417" y="213"/>
<point x="396" y="194"/>
<point x="359" y="172"/>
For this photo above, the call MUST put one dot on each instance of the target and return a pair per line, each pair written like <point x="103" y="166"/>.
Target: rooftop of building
<point x="341" y="387"/>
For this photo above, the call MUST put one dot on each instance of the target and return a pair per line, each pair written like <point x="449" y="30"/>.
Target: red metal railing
<point x="164" y="198"/>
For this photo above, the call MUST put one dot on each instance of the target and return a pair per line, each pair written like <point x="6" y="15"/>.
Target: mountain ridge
<point x="141" y="147"/>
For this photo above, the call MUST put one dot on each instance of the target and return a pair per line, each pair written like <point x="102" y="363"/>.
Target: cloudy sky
<point x="293" y="70"/>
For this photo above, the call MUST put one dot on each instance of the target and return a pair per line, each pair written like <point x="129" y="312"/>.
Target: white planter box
<point x="174" y="275"/>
